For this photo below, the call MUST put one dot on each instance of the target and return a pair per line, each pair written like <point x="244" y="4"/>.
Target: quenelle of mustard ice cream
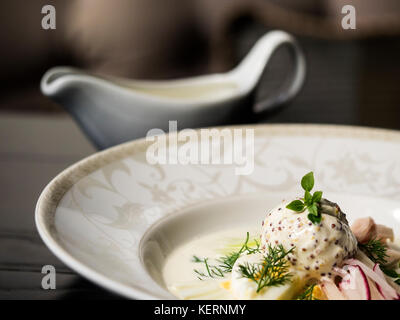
<point x="317" y="248"/>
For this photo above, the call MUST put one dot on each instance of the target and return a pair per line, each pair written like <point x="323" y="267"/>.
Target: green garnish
<point x="212" y="271"/>
<point x="310" y="201"/>
<point x="226" y="262"/>
<point x="196" y="259"/>
<point x="273" y="270"/>
<point x="376" y="251"/>
<point x="307" y="294"/>
<point x="391" y="273"/>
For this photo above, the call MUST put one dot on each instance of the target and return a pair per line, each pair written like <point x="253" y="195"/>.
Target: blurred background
<point x="353" y="77"/>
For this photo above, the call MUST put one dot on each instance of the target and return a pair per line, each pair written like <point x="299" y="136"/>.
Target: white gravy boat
<point x="114" y="110"/>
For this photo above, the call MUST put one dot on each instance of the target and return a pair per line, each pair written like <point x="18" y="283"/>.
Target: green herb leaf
<point x="307" y="198"/>
<point x="310" y="200"/>
<point x="307" y="182"/>
<point x="272" y="271"/>
<point x="307" y="294"/>
<point x="317" y="196"/>
<point x="314" y="219"/>
<point x="375" y="250"/>
<point x="390" y="272"/>
<point x="313" y="209"/>
<point x="296" y="205"/>
<point x="225" y="262"/>
<point x="196" y="259"/>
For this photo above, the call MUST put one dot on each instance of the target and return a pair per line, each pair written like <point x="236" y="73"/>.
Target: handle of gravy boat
<point x="249" y="71"/>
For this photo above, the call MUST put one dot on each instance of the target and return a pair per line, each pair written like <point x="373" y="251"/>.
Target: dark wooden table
<point x="33" y="149"/>
<point x="347" y="83"/>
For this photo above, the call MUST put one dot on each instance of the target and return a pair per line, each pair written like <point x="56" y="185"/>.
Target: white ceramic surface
<point x="112" y="110"/>
<point x="114" y="218"/>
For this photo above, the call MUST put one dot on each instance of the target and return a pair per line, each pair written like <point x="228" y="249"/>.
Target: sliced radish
<point x="339" y="272"/>
<point x="331" y="290"/>
<point x="379" y="272"/>
<point x="375" y="293"/>
<point x="364" y="259"/>
<point x="386" y="290"/>
<point x="354" y="284"/>
<point x="382" y="291"/>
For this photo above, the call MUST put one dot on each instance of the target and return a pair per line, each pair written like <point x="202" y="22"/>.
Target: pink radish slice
<point x="339" y="272"/>
<point x="331" y="290"/>
<point x="386" y="290"/>
<point x="354" y="284"/>
<point x="379" y="272"/>
<point x="375" y="294"/>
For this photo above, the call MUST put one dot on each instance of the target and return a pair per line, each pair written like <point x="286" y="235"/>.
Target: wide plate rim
<point x="55" y="190"/>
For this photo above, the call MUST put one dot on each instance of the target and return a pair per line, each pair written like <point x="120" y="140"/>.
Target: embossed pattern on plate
<point x="94" y="214"/>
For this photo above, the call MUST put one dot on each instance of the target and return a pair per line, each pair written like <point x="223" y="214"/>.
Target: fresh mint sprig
<point x="309" y="201"/>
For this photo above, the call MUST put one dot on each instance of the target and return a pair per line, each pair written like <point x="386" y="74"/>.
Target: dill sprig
<point x="212" y="271"/>
<point x="391" y="273"/>
<point x="307" y="294"/>
<point x="196" y="259"/>
<point x="375" y="250"/>
<point x="226" y="262"/>
<point x="273" y="270"/>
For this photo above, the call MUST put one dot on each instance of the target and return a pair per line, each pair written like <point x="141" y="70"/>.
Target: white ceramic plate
<point x="114" y="218"/>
